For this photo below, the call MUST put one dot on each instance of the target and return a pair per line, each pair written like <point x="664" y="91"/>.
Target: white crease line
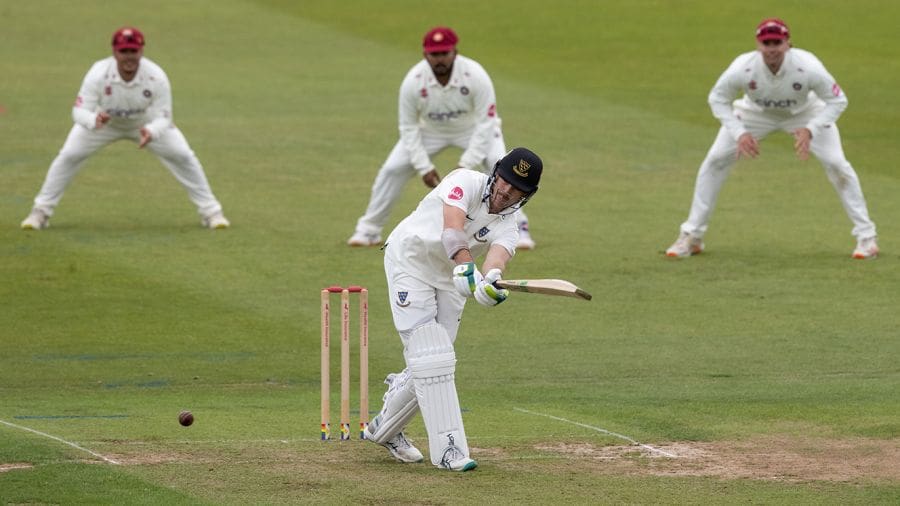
<point x="598" y="429"/>
<point x="73" y="445"/>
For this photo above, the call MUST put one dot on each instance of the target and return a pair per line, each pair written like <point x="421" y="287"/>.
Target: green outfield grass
<point x="763" y="371"/>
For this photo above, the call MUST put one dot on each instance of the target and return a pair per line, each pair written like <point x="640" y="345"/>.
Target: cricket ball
<point x="185" y="418"/>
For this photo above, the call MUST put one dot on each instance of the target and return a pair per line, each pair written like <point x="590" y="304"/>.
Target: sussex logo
<point x="424" y="93"/>
<point x="752" y="85"/>
<point x="835" y="90"/>
<point x="402" y="299"/>
<point x="521" y="168"/>
<point x="108" y="90"/>
<point x="456" y="193"/>
<point x="479" y="236"/>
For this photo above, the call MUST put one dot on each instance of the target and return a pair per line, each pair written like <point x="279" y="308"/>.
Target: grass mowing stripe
<point x="598" y="429"/>
<point x="61" y="440"/>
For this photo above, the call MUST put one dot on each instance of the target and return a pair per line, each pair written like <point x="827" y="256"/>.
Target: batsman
<point x="431" y="272"/>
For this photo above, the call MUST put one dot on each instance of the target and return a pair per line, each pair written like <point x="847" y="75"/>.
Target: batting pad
<point x="400" y="406"/>
<point x="432" y="363"/>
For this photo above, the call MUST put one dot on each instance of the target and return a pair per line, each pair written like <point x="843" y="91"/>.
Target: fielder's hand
<point x="747" y="146"/>
<point x="431" y="178"/>
<point x="466" y="278"/>
<point x="101" y="119"/>
<point x="486" y="293"/>
<point x="802" y="138"/>
<point x="145" y="137"/>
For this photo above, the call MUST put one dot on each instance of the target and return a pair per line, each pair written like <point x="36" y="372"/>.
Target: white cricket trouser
<point x="171" y="148"/>
<point x="397" y="171"/>
<point x="826" y="146"/>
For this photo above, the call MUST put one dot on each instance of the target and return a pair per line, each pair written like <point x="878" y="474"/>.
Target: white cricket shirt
<point x="415" y="244"/>
<point x="467" y="104"/>
<point x="801" y="82"/>
<point x="145" y="101"/>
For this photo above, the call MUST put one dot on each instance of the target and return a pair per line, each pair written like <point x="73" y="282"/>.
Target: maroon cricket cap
<point x="772" y="29"/>
<point x="128" y="38"/>
<point x="439" y="40"/>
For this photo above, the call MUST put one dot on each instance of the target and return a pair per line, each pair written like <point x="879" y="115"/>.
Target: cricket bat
<point x="545" y="286"/>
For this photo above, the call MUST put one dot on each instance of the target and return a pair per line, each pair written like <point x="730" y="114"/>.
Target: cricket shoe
<point x="525" y="241"/>
<point x="36" y="220"/>
<point x="400" y="447"/>
<point x="866" y="249"/>
<point x="216" y="221"/>
<point x="363" y="239"/>
<point x="685" y="246"/>
<point x="461" y="465"/>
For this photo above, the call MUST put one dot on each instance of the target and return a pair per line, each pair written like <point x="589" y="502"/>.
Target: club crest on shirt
<point x="464" y="90"/>
<point x="835" y="90"/>
<point x="455" y="194"/>
<point x="752" y="85"/>
<point x="402" y="299"/>
<point x="107" y="91"/>
<point x="479" y="236"/>
<point x="148" y="93"/>
<point x="424" y="93"/>
<point x="492" y="110"/>
<point x="797" y="86"/>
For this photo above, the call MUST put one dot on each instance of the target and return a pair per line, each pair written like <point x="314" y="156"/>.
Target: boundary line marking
<point x="598" y="429"/>
<point x="61" y="440"/>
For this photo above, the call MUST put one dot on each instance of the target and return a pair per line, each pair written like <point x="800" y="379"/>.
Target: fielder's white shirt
<point x="415" y="245"/>
<point x="145" y="101"/>
<point x="467" y="104"/>
<point x="802" y="82"/>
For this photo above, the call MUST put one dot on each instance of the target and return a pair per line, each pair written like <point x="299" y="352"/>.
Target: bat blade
<point x="557" y="287"/>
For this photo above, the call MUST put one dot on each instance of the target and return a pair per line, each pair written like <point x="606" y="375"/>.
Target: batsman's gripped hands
<point x="488" y="294"/>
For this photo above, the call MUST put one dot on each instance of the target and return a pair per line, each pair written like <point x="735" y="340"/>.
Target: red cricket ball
<point x="185" y="418"/>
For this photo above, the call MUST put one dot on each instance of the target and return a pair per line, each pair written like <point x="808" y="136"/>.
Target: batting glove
<point x="486" y="293"/>
<point x="466" y="278"/>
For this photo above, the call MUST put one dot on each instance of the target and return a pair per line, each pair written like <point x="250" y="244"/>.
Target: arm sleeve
<point x="721" y="97"/>
<point x="159" y="114"/>
<point x="827" y="89"/>
<point x="484" y="107"/>
<point x="408" y="119"/>
<point x="84" y="112"/>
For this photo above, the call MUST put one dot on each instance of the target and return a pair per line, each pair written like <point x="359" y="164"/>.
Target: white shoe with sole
<point x="400" y="447"/>
<point x="461" y="465"/>
<point x="363" y="239"/>
<point x="216" y="221"/>
<point x="685" y="246"/>
<point x="36" y="220"/>
<point x="866" y="249"/>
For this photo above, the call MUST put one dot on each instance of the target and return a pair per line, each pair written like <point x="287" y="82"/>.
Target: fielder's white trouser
<point x="171" y="148"/>
<point x="414" y="304"/>
<point x="397" y="171"/>
<point x="826" y="146"/>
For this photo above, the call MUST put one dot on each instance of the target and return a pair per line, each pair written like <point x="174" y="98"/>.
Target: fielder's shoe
<point x="685" y="246"/>
<point x="525" y="241"/>
<point x="363" y="239"/>
<point x="36" y="220"/>
<point x="216" y="221"/>
<point x="463" y="464"/>
<point x="400" y="448"/>
<point x="866" y="249"/>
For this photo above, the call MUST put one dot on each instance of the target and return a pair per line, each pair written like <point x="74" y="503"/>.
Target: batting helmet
<point x="522" y="169"/>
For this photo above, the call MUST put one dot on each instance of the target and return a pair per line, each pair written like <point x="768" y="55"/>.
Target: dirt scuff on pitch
<point x="16" y="465"/>
<point x="771" y="458"/>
